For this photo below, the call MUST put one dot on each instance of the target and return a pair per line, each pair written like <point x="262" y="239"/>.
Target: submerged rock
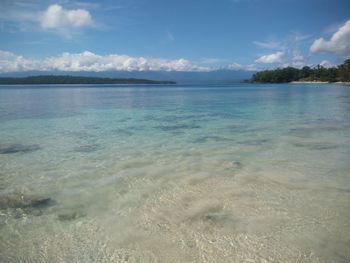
<point x="69" y="216"/>
<point x="19" y="205"/>
<point x="24" y="212"/>
<point x="22" y="201"/>
<point x="18" y="148"/>
<point x="236" y="165"/>
<point x="232" y="165"/>
<point x="214" y="216"/>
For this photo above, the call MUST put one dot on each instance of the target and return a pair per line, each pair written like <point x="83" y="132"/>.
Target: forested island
<point x="340" y="73"/>
<point x="61" y="79"/>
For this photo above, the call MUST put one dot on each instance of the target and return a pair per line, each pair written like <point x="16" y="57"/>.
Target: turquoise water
<point x="216" y="173"/>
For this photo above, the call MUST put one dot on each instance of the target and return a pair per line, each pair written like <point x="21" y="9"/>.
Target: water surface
<point x="203" y="173"/>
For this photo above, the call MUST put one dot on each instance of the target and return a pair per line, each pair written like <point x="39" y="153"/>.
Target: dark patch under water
<point x="18" y="148"/>
<point x="213" y="217"/>
<point x="256" y="142"/>
<point x="20" y="205"/>
<point x="69" y="216"/>
<point x="238" y="128"/>
<point x="316" y="145"/>
<point x="313" y="130"/>
<point x="224" y="115"/>
<point x="177" y="127"/>
<point x="24" y="201"/>
<point x="205" y="139"/>
<point x="82" y="135"/>
<point x="174" y="118"/>
<point x="87" y="148"/>
<point x="237" y="165"/>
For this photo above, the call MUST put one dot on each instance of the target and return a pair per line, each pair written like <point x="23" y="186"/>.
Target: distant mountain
<point x="217" y="76"/>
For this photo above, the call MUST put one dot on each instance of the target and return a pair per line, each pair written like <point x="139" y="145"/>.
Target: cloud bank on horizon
<point x="52" y="36"/>
<point x="88" y="61"/>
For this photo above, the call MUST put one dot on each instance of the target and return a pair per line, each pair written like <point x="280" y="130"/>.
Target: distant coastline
<point x="63" y="79"/>
<point x="315" y="75"/>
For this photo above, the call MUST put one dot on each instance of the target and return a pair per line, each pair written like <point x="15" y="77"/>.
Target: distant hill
<point x="66" y="79"/>
<point x="186" y="77"/>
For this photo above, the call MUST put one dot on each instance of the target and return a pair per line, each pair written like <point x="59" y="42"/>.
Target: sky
<point x="172" y="35"/>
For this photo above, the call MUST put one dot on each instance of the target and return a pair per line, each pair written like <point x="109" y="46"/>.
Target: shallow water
<point x="225" y="173"/>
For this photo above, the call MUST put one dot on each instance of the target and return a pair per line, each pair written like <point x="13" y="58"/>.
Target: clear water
<point x="235" y="173"/>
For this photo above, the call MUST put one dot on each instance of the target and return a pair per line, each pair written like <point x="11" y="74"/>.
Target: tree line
<point x="319" y="73"/>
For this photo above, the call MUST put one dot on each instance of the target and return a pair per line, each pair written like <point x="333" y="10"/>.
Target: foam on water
<point x="237" y="173"/>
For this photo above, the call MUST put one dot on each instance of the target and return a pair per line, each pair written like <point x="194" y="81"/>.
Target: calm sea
<point x="202" y="173"/>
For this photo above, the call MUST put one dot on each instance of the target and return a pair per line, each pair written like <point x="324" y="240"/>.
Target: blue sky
<point x="172" y="35"/>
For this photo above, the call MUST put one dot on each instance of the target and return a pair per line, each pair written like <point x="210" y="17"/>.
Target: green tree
<point x="318" y="73"/>
<point x="344" y="71"/>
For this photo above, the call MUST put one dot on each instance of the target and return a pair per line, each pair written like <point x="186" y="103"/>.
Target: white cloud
<point x="296" y="37"/>
<point x="297" y="56"/>
<point x="88" y="61"/>
<point x="237" y="66"/>
<point x="271" y="58"/>
<point x="327" y="64"/>
<point x="32" y="15"/>
<point x="211" y="61"/>
<point x="298" y="59"/>
<point x="10" y="62"/>
<point x="268" y="45"/>
<point x="339" y="43"/>
<point x="57" y="17"/>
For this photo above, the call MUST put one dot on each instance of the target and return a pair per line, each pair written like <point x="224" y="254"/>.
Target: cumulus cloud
<point x="327" y="64"/>
<point x="10" y="62"/>
<point x="339" y="43"/>
<point x="57" y="17"/>
<point x="88" y="61"/>
<point x="271" y="58"/>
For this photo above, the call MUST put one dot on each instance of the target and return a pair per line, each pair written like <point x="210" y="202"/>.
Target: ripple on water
<point x="255" y="142"/>
<point x="87" y="148"/>
<point x="82" y="135"/>
<point x="174" y="118"/>
<point x="123" y="131"/>
<point x="175" y="127"/>
<point x="311" y="145"/>
<point x="211" y="138"/>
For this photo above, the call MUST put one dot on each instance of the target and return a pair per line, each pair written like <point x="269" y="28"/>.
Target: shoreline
<point x="309" y="82"/>
<point x="319" y="82"/>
